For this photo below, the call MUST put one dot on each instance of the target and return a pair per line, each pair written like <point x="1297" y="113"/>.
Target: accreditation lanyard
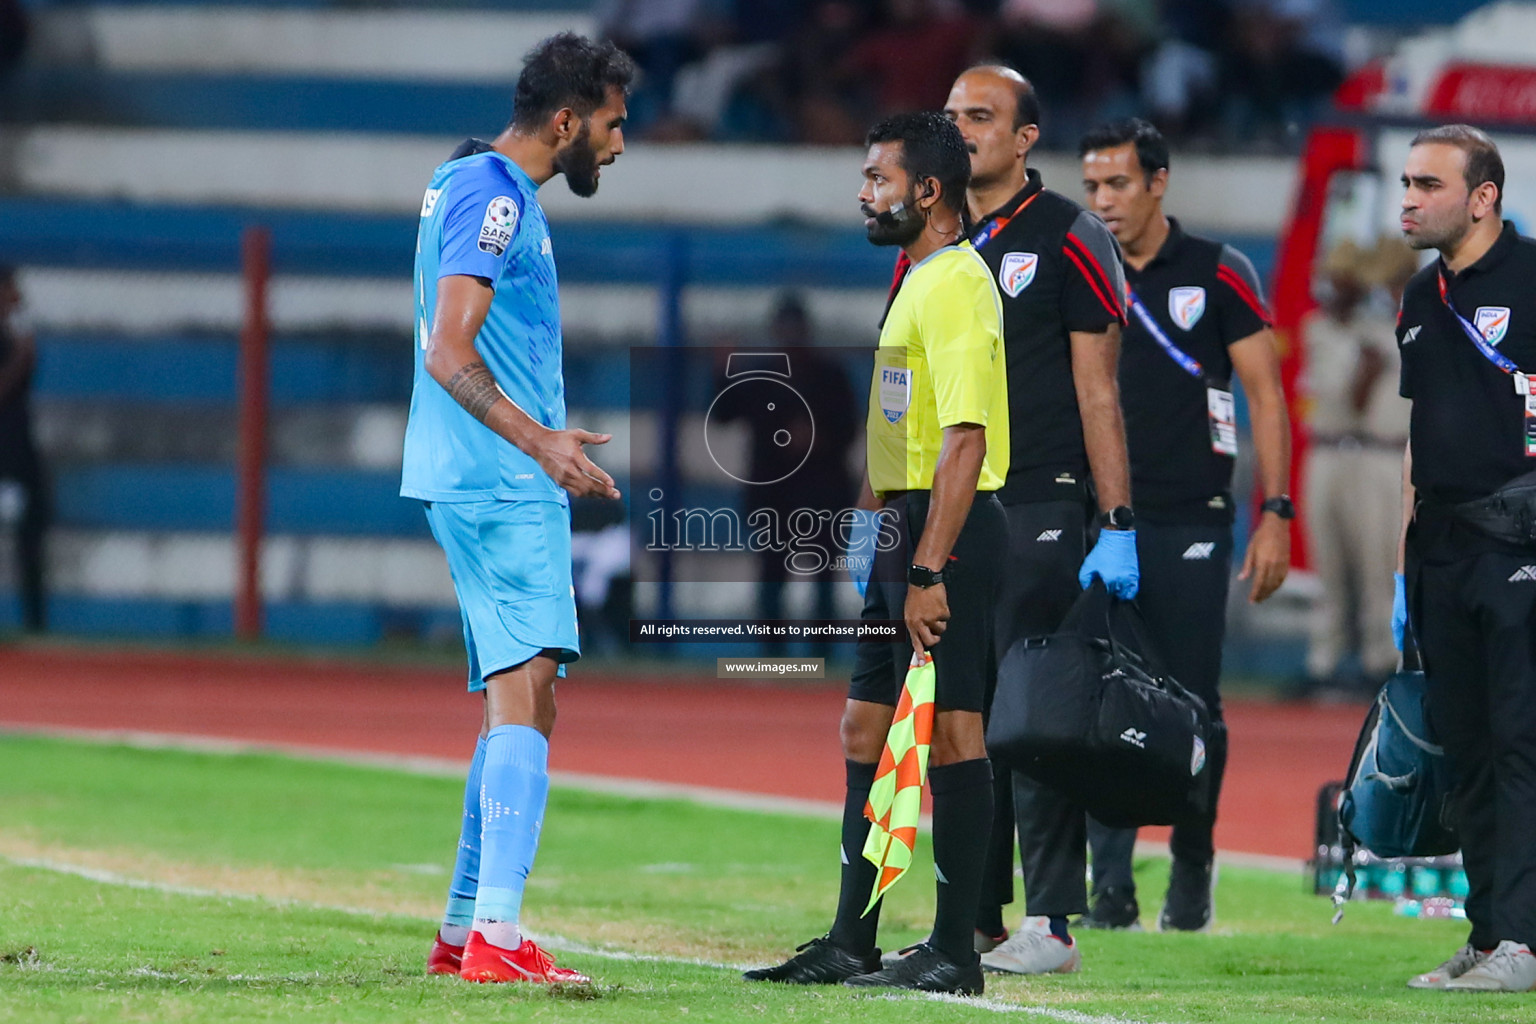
<point x="1220" y="408"/>
<point x="1498" y="359"/>
<point x="991" y="231"/>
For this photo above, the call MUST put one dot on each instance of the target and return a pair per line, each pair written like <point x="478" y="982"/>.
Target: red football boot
<point x="485" y="962"/>
<point x="444" y="959"/>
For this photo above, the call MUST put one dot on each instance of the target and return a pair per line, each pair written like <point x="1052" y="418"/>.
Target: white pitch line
<point x="640" y="789"/>
<point x="555" y="942"/>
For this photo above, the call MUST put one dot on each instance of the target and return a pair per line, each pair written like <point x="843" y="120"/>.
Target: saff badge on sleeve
<point x="1017" y="271"/>
<point x="498" y="225"/>
<point x="1186" y="306"/>
<point x="1492" y="323"/>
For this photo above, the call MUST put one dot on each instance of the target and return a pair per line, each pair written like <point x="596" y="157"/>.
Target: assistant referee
<point x="1197" y="316"/>
<point x="1467" y="334"/>
<point x="938" y="449"/>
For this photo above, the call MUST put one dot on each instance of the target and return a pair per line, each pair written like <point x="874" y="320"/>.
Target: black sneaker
<point x="818" y="962"/>
<point x="1187" y="907"/>
<point x="926" y="970"/>
<point x="1113" y="908"/>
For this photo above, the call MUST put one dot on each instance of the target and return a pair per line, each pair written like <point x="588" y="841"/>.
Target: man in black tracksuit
<point x="1467" y="334"/>
<point x="1058" y="270"/>
<point x="1197" y="315"/>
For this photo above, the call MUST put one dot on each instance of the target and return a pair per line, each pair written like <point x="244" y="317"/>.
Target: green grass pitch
<point x="163" y="885"/>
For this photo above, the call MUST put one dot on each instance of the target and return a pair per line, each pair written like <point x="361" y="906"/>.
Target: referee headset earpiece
<point x="928" y="190"/>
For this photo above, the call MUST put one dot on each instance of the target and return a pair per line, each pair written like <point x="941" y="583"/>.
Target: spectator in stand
<point x="732" y="90"/>
<point x="1284" y="58"/>
<point x="908" y="62"/>
<point x="1358" y="427"/>
<point x="823" y="104"/>
<point x="1180" y="76"/>
<point x="1082" y="56"/>
<point x="23" y="490"/>
<point x="662" y="36"/>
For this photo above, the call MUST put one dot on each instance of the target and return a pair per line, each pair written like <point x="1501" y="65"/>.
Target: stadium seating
<point x="212" y="119"/>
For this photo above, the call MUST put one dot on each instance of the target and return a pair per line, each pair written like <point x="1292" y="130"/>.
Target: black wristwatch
<point x="1281" y="505"/>
<point x="1118" y="518"/>
<point x="924" y="577"/>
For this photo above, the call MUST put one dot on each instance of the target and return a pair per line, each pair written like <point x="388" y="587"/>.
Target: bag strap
<point x="1424" y="745"/>
<point x="1134" y="640"/>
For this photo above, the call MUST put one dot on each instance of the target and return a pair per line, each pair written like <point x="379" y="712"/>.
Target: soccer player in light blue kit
<point x="488" y="453"/>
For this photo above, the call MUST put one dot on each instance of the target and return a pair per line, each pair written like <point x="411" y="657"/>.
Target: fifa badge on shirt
<point x="1186" y="306"/>
<point x="497" y="227"/>
<point x="895" y="392"/>
<point x="1017" y="271"/>
<point x="1492" y="323"/>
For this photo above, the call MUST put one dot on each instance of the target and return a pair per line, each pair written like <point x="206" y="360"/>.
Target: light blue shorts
<point x="511" y="567"/>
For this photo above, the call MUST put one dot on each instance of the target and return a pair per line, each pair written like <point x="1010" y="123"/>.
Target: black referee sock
<point x="854" y="933"/>
<point x="962" y="824"/>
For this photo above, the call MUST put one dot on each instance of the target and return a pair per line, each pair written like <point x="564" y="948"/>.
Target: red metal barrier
<point x="255" y="253"/>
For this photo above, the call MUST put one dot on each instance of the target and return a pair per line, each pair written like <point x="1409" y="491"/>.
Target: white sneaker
<point x="1511" y="967"/>
<point x="1034" y="950"/>
<point x="1461" y="961"/>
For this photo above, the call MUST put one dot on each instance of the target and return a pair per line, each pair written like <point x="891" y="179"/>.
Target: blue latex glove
<point x="1399" y="608"/>
<point x="1113" y="560"/>
<point x="863" y="528"/>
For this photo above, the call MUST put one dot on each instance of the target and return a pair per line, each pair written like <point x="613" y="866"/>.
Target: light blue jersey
<point x="480" y="216"/>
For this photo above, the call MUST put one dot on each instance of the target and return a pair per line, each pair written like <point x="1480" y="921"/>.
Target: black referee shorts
<point x="962" y="660"/>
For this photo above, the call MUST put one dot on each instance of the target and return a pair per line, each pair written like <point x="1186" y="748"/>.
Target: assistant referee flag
<point x="896" y="798"/>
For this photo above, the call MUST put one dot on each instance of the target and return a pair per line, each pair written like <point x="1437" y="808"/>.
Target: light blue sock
<point x="514" y="787"/>
<point x="460" y="912"/>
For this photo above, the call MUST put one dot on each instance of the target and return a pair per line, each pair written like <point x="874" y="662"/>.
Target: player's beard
<point x="896" y="227"/>
<point x="578" y="163"/>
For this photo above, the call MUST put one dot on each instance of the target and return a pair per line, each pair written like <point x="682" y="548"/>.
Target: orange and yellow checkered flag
<point x="896" y="798"/>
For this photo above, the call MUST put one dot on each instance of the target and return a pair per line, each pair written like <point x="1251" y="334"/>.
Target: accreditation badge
<point x="1530" y="426"/>
<point x="1524" y="389"/>
<point x="1221" y="410"/>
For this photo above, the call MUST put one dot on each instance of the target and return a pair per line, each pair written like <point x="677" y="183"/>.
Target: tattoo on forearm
<point x="475" y="389"/>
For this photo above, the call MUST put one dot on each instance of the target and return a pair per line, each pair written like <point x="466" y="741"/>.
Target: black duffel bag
<point x="1090" y="711"/>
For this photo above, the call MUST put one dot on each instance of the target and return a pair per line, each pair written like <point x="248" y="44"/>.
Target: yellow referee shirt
<point x="940" y="363"/>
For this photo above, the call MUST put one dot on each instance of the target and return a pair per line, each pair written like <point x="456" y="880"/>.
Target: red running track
<point x="765" y="739"/>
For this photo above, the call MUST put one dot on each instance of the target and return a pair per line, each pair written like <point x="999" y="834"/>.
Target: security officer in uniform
<point x="1197" y="315"/>
<point x="1467" y="334"/>
<point x="1063" y="289"/>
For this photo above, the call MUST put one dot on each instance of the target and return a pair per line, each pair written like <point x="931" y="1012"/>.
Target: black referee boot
<point x="819" y="962"/>
<point x="926" y="969"/>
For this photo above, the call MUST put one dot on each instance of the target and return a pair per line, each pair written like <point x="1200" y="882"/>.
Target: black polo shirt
<point x="1204" y="296"/>
<point x="1468" y="425"/>
<point x="1058" y="270"/>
